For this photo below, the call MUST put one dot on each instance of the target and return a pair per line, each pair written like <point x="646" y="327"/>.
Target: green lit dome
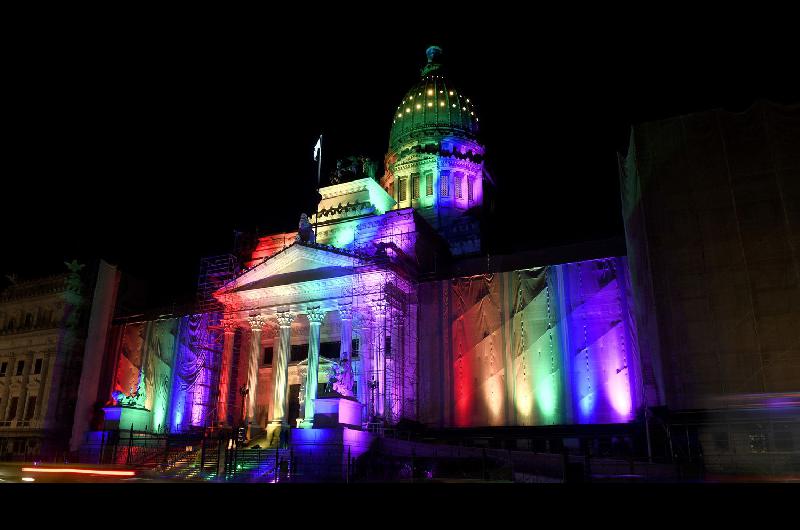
<point x="433" y="106"/>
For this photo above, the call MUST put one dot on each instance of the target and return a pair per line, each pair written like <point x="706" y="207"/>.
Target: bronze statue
<point x="305" y="231"/>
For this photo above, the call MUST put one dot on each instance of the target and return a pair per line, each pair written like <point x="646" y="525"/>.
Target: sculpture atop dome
<point x="433" y="53"/>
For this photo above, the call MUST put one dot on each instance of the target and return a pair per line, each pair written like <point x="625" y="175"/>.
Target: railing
<point x="18" y="424"/>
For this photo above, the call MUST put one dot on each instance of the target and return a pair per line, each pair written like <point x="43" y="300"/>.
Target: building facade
<point x="380" y="309"/>
<point x="42" y="334"/>
<point x="365" y="306"/>
<point x="711" y="205"/>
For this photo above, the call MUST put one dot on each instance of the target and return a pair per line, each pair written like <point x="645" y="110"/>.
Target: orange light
<point x="79" y="471"/>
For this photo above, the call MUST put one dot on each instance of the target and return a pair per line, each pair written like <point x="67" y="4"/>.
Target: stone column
<point x="229" y="330"/>
<point x="256" y="324"/>
<point x="346" y="315"/>
<point x="346" y="344"/>
<point x="378" y="341"/>
<point x="315" y="318"/>
<point x="363" y="364"/>
<point x="280" y="370"/>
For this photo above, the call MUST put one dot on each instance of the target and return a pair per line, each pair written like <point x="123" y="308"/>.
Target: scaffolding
<point x="384" y="289"/>
<point x="207" y="337"/>
<point x="215" y="271"/>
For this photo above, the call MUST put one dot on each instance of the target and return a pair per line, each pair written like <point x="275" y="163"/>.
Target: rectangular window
<point x="387" y="347"/>
<point x="721" y="441"/>
<point x="783" y="439"/>
<point x="31" y="408"/>
<point x="401" y="190"/>
<point x="355" y="347"/>
<point x="268" y="355"/>
<point x="758" y="442"/>
<point x="444" y="190"/>
<point x="457" y="184"/>
<point x="428" y="184"/>
<point x="20" y="367"/>
<point x="12" y="408"/>
<point x="415" y="185"/>
<point x="469" y="189"/>
<point x="3" y="369"/>
<point x="37" y="366"/>
<point x="299" y="352"/>
<point x="330" y="350"/>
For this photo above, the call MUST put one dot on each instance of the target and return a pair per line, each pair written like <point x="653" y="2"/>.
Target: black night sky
<point x="148" y="144"/>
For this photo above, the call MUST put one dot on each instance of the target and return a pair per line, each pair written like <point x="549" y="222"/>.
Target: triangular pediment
<point x="295" y="264"/>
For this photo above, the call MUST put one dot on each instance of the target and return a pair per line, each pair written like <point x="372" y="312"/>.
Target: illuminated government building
<point x="382" y="311"/>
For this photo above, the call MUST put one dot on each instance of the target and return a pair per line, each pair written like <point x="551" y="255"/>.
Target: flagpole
<point x="319" y="170"/>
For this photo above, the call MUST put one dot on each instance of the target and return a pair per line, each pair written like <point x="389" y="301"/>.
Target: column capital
<point x="256" y="322"/>
<point x="229" y="325"/>
<point x="315" y="315"/>
<point x="346" y="311"/>
<point x="378" y="308"/>
<point x="285" y="318"/>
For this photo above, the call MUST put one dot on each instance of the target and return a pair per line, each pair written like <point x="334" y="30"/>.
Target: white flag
<point x="317" y="148"/>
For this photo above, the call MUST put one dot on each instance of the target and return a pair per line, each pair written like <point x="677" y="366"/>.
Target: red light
<point x="79" y="471"/>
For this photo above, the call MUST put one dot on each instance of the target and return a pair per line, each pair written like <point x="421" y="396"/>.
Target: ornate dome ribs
<point x="434" y="106"/>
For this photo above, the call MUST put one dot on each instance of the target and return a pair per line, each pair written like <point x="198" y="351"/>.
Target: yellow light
<point x="441" y="103"/>
<point x="430" y="92"/>
<point x="463" y="108"/>
<point x="451" y="92"/>
<point x="467" y="100"/>
<point x="408" y="109"/>
<point x="430" y="104"/>
<point x="472" y="113"/>
<point x="400" y="115"/>
<point x="441" y="91"/>
<point x="454" y="105"/>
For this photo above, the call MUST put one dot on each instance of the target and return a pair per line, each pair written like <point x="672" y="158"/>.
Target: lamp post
<point x="244" y="391"/>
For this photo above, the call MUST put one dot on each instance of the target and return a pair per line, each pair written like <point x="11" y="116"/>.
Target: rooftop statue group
<point x="305" y="231"/>
<point x="352" y="168"/>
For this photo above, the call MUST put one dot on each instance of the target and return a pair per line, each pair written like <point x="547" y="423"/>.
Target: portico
<point x="301" y="294"/>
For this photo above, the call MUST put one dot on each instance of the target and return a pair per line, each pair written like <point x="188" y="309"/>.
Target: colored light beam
<point x="79" y="471"/>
